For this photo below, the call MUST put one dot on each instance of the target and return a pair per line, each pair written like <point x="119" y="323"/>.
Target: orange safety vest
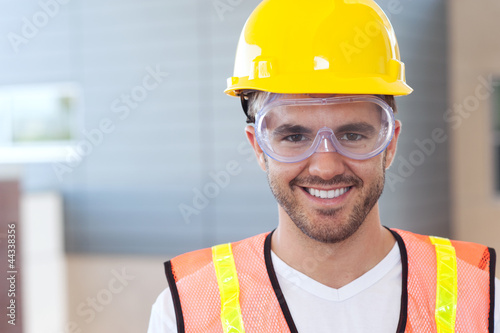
<point x="448" y="286"/>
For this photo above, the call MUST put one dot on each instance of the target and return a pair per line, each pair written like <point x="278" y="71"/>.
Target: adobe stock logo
<point x="224" y="6"/>
<point x="362" y="39"/>
<point x="105" y="296"/>
<point x="210" y="190"/>
<point x="121" y="109"/>
<point x="92" y="306"/>
<point x="453" y="118"/>
<point x="31" y="27"/>
<point x="217" y="182"/>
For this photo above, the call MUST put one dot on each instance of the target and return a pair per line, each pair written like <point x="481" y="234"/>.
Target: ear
<point x="250" y="132"/>
<point x="391" y="148"/>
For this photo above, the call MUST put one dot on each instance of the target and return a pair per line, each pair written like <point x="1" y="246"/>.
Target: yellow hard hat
<point x="321" y="46"/>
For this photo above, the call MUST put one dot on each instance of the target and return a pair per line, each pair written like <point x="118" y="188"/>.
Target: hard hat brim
<point x="322" y="84"/>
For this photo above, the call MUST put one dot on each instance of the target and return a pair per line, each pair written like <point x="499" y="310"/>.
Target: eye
<point x="351" y="137"/>
<point x="295" y="138"/>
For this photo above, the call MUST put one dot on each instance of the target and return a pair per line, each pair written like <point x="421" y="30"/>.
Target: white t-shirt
<point x="371" y="303"/>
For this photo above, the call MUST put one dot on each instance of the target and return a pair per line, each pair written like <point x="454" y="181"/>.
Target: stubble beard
<point x="337" y="231"/>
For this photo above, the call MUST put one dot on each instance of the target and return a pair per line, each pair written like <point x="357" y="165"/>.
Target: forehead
<point x="320" y="103"/>
<point x="333" y="99"/>
<point x="302" y="96"/>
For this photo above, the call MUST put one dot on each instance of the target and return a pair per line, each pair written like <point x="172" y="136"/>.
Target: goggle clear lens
<point x="291" y="130"/>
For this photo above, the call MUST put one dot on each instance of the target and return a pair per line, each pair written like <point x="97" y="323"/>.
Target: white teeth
<point x="327" y="194"/>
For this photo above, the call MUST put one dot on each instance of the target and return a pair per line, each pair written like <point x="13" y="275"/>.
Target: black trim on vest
<point x="403" y="314"/>
<point x="276" y="285"/>
<point x="175" y="297"/>
<point x="491" y="318"/>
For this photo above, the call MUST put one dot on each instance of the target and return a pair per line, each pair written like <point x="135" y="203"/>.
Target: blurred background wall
<point x="161" y="165"/>
<point x="474" y="85"/>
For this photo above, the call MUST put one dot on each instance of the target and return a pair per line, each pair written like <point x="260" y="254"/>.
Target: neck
<point x="337" y="264"/>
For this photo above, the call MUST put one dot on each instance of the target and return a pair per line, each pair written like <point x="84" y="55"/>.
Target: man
<point x="317" y="81"/>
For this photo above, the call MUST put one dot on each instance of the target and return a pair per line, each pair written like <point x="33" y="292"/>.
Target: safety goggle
<point x="292" y="129"/>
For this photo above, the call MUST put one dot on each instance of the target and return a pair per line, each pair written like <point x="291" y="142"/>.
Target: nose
<point x="326" y="165"/>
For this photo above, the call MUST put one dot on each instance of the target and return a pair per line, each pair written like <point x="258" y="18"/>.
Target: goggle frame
<point x="320" y="135"/>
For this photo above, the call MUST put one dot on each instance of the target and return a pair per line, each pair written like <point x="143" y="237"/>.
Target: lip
<point x="327" y="188"/>
<point x="328" y="201"/>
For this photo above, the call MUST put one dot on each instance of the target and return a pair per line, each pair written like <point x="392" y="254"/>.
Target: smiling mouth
<point x="322" y="194"/>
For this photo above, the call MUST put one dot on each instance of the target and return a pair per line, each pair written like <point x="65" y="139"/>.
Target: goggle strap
<point x="244" y="105"/>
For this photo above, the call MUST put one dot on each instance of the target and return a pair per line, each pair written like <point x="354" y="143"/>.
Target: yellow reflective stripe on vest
<point x="229" y="288"/>
<point x="446" y="285"/>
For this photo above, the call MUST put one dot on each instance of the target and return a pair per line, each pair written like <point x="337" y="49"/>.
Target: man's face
<point x="327" y="196"/>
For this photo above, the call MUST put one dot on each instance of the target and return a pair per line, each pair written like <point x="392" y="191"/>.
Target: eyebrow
<point x="288" y="128"/>
<point x="357" y="127"/>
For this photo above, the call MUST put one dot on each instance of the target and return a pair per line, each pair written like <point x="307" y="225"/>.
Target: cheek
<point x="368" y="170"/>
<point x="284" y="172"/>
